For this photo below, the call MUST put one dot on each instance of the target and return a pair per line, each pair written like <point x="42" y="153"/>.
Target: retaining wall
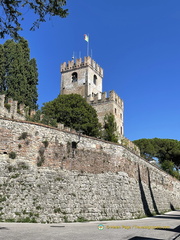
<point x="61" y="176"/>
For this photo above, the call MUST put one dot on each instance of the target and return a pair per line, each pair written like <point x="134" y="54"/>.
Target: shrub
<point x="46" y="143"/>
<point x="40" y="161"/>
<point x="22" y="165"/>
<point x="10" y="220"/>
<point x="19" y="146"/>
<point x="57" y="210"/>
<point x="81" y="219"/>
<point x="7" y="106"/>
<point x="23" y="135"/>
<point x="12" y="155"/>
<point x="2" y="198"/>
<point x="66" y="219"/>
<point x="38" y="208"/>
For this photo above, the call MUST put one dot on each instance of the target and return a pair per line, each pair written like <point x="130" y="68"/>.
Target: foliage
<point x="12" y="155"/>
<point x="18" y="73"/>
<point x="7" y="106"/>
<point x="41" y="118"/>
<point x="46" y="143"/>
<point x="2" y="198"/>
<point x="81" y="219"/>
<point x="167" y="151"/>
<point x="147" y="148"/>
<point x="13" y="12"/>
<point x="110" y="128"/>
<point x="40" y="161"/>
<point x="73" y="111"/>
<point x="23" y="135"/>
<point x="168" y="166"/>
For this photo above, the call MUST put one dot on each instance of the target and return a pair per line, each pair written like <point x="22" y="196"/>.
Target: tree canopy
<point x="18" y="73"/>
<point x="167" y="151"/>
<point x="12" y="14"/>
<point x="73" y="111"/>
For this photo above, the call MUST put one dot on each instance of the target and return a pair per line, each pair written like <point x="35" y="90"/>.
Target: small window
<point x="74" y="145"/>
<point x="74" y="77"/>
<point x="95" y="79"/>
<point x="121" y="115"/>
<point x="115" y="110"/>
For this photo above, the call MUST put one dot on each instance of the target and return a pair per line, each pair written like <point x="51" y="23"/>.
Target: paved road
<point x="142" y="229"/>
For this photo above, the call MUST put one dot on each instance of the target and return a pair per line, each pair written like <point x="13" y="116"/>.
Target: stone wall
<point x="11" y="109"/>
<point x="61" y="176"/>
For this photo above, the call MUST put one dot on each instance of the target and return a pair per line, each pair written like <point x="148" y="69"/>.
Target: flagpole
<point x="88" y="46"/>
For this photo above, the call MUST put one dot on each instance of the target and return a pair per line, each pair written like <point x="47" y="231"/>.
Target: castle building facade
<point x="85" y="78"/>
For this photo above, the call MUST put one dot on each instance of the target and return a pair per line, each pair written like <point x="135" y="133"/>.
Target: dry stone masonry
<point x="51" y="175"/>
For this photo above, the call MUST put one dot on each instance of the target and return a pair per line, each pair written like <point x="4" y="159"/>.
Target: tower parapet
<point x="112" y="104"/>
<point x="102" y="98"/>
<point x="75" y="64"/>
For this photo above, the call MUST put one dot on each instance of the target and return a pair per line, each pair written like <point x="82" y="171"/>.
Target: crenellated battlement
<point x="78" y="63"/>
<point x="11" y="110"/>
<point x="103" y="97"/>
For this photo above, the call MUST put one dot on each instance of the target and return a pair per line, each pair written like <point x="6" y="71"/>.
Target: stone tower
<point x="85" y="78"/>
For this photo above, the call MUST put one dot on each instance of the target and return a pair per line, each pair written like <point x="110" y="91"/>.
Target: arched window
<point x="74" y="77"/>
<point x="95" y="79"/>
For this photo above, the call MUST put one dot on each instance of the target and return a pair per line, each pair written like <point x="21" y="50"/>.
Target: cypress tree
<point x="32" y="84"/>
<point x="2" y="70"/>
<point x="18" y="75"/>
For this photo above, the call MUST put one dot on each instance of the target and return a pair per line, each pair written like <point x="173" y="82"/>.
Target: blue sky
<point x="136" y="42"/>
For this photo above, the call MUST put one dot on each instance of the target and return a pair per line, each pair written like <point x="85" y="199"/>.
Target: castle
<point x="85" y="78"/>
<point x="53" y="175"/>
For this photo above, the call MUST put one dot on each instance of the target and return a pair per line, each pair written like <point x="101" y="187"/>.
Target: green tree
<point x="110" y="128"/>
<point x="168" y="166"/>
<point x="19" y="77"/>
<point x="166" y="151"/>
<point x="73" y="111"/>
<point x="39" y="117"/>
<point x="32" y="81"/>
<point x="146" y="148"/>
<point x="12" y="14"/>
<point x="2" y="70"/>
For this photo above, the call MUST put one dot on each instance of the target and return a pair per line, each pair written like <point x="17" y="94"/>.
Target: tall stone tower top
<point x="88" y="61"/>
<point x="85" y="78"/>
<point x="81" y="77"/>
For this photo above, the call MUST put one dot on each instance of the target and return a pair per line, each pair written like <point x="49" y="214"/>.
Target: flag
<point x="86" y="37"/>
